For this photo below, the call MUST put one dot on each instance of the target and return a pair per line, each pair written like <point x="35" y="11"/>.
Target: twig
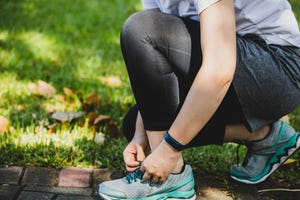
<point x="279" y="189"/>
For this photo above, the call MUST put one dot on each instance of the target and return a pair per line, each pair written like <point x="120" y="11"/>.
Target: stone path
<point x="36" y="183"/>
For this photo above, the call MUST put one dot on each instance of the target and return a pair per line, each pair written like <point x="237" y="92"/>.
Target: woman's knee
<point x="137" y="25"/>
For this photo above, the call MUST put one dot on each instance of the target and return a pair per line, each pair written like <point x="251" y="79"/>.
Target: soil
<point x="223" y="188"/>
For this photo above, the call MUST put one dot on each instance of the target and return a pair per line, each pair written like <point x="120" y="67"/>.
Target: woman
<point x="207" y="72"/>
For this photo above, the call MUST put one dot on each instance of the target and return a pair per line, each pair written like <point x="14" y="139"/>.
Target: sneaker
<point x="132" y="186"/>
<point x="265" y="156"/>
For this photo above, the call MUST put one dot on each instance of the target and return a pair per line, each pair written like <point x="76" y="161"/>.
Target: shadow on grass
<point x="68" y="44"/>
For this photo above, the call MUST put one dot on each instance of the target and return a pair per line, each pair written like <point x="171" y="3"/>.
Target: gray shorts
<point x="267" y="80"/>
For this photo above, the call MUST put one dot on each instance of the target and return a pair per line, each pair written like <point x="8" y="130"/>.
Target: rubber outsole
<point x="291" y="151"/>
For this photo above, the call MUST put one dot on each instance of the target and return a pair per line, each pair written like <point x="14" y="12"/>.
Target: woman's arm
<point x="135" y="151"/>
<point x="218" y="43"/>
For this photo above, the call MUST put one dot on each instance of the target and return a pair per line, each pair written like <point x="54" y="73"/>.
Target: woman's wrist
<point x="169" y="148"/>
<point x="173" y="142"/>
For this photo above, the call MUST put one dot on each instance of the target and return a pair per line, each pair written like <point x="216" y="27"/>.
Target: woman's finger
<point x="132" y="164"/>
<point x="162" y="179"/>
<point x="140" y="154"/>
<point x="155" y="179"/>
<point x="147" y="176"/>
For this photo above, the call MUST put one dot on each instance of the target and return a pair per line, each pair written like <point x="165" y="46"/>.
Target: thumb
<point x="140" y="156"/>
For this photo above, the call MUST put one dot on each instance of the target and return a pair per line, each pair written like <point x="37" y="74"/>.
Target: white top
<point x="273" y="20"/>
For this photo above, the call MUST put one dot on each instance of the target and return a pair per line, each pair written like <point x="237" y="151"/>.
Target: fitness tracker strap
<point x="172" y="142"/>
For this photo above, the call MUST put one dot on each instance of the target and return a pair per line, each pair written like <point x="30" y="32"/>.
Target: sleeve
<point x="203" y="4"/>
<point x="149" y="4"/>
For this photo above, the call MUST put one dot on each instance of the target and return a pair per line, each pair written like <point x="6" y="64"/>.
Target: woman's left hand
<point x="161" y="162"/>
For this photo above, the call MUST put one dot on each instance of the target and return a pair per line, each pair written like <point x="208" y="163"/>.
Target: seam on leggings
<point x="148" y="40"/>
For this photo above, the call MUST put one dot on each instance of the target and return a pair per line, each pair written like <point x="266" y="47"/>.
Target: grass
<point x="75" y="44"/>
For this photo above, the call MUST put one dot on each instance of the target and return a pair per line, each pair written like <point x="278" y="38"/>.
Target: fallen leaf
<point x="52" y="128"/>
<point x="60" y="98"/>
<point x="111" y="81"/>
<point x="92" y="102"/>
<point x="42" y="88"/>
<point x="104" y="121"/>
<point x="113" y="129"/>
<point x="101" y="119"/>
<point x="91" y="116"/>
<point x="4" y="125"/>
<point x="68" y="92"/>
<point x="67" y="116"/>
<point x="290" y="161"/>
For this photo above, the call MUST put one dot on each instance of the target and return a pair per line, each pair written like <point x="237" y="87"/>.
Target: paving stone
<point x="10" y="175"/>
<point x="64" y="197"/>
<point x="101" y="175"/>
<point x="40" y="176"/>
<point x="75" y="177"/>
<point x="35" y="195"/>
<point x="61" y="190"/>
<point x="9" y="192"/>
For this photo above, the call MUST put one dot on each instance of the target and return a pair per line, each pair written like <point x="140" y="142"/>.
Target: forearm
<point x="200" y="104"/>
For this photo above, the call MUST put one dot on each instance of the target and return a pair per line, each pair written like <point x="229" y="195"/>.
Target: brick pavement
<point x="37" y="183"/>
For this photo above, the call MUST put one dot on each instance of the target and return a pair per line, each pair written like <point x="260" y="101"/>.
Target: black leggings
<point x="162" y="62"/>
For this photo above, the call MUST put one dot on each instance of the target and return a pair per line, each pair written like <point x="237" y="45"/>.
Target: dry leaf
<point x="52" y="128"/>
<point x="111" y="81"/>
<point x="101" y="119"/>
<point x="4" y="125"/>
<point x="113" y="129"/>
<point x="106" y="121"/>
<point x="290" y="161"/>
<point x="66" y="116"/>
<point x="42" y="88"/>
<point x="60" y="98"/>
<point x="92" y="102"/>
<point x="68" y="92"/>
<point x="91" y="116"/>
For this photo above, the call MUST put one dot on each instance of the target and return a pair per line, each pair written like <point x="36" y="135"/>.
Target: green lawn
<point x="75" y="45"/>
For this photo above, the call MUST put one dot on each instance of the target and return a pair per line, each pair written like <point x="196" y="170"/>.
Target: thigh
<point x="264" y="88"/>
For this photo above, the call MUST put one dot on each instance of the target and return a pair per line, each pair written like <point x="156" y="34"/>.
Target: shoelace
<point x="138" y="174"/>
<point x="133" y="176"/>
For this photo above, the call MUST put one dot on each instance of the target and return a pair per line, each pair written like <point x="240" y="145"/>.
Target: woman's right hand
<point x="134" y="153"/>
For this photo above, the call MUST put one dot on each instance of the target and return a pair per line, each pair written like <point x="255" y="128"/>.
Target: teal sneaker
<point x="265" y="156"/>
<point x="132" y="186"/>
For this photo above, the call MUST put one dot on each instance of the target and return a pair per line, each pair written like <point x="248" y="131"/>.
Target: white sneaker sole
<point x="103" y="196"/>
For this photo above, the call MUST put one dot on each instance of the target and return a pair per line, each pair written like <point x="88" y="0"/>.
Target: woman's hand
<point x="134" y="153"/>
<point x="161" y="162"/>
